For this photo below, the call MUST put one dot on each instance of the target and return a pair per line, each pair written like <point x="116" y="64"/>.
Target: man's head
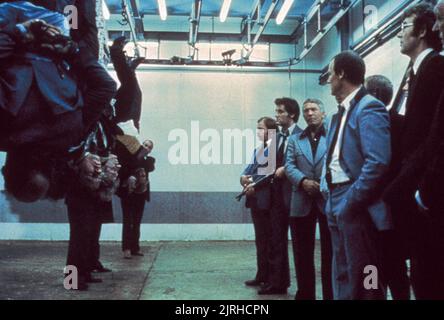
<point x="417" y="33"/>
<point x="287" y="112"/>
<point x="314" y="112"/>
<point x="148" y="145"/>
<point x="264" y="125"/>
<point x="346" y="73"/>
<point x="439" y="24"/>
<point x="380" y="87"/>
<point x="25" y="179"/>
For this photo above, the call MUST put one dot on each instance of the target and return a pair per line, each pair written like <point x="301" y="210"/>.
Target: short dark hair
<point x="380" y="87"/>
<point x="270" y="123"/>
<point x="352" y="65"/>
<point x="424" y="20"/>
<point x="290" y="105"/>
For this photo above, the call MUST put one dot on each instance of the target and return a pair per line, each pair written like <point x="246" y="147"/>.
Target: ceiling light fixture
<point x="224" y="10"/>
<point x="284" y="11"/>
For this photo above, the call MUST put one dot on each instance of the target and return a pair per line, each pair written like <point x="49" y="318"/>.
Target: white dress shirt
<point x="290" y="130"/>
<point x="415" y="67"/>
<point x="337" y="174"/>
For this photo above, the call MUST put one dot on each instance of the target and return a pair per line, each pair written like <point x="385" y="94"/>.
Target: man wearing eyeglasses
<point x="412" y="114"/>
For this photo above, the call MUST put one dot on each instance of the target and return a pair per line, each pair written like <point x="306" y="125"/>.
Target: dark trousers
<point x="95" y="256"/>
<point x="303" y="231"/>
<point x="84" y="224"/>
<point x="262" y="231"/>
<point x="133" y="206"/>
<point x="393" y="264"/>
<point x="279" y="216"/>
<point x="427" y="261"/>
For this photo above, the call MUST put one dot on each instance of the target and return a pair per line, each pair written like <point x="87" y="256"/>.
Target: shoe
<point x="127" y="254"/>
<point x="138" y="253"/>
<point x="254" y="283"/>
<point x="93" y="280"/>
<point x="272" y="290"/>
<point x="102" y="269"/>
<point x="82" y="285"/>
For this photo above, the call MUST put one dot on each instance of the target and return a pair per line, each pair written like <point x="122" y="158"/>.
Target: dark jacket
<point x="408" y="163"/>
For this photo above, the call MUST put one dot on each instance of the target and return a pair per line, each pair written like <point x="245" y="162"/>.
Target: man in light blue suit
<point x="357" y="158"/>
<point x="303" y="167"/>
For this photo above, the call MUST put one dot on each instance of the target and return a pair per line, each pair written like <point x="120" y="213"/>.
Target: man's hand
<point x="280" y="172"/>
<point x="311" y="187"/>
<point x="249" y="190"/>
<point x="39" y="30"/>
<point x="245" y="180"/>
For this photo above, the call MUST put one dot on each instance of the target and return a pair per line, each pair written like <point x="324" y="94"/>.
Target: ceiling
<point x="149" y="26"/>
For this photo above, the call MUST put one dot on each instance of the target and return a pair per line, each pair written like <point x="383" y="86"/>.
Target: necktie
<point x="340" y="115"/>
<point x="401" y="102"/>
<point x="281" y="151"/>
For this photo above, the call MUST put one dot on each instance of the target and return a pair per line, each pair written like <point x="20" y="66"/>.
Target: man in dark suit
<point x="414" y="109"/>
<point x="259" y="200"/>
<point x="393" y="264"/>
<point x="357" y="159"/>
<point x="287" y="114"/>
<point x="303" y="167"/>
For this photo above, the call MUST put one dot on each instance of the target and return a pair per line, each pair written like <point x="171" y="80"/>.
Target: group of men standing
<point x="371" y="177"/>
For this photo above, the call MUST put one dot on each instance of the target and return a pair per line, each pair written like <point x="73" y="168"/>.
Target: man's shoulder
<point x="368" y="101"/>
<point x="434" y="64"/>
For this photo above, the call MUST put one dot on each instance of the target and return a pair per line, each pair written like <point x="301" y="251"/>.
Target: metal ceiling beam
<point x="259" y="32"/>
<point x="249" y="21"/>
<point x="387" y="28"/>
<point x="203" y="36"/>
<point x="138" y="19"/>
<point x="186" y="64"/>
<point x="308" y="45"/>
<point x="196" y="9"/>
<point x="128" y="19"/>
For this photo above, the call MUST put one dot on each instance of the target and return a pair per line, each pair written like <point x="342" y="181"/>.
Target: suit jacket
<point x="262" y="197"/>
<point x="430" y="187"/>
<point x="365" y="155"/>
<point x="300" y="164"/>
<point x="408" y="160"/>
<point x="286" y="184"/>
<point x="19" y="70"/>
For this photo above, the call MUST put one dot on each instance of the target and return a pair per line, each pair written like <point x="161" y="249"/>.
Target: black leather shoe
<point x="93" y="280"/>
<point x="272" y="290"/>
<point x="101" y="269"/>
<point x="254" y="283"/>
<point x="82" y="286"/>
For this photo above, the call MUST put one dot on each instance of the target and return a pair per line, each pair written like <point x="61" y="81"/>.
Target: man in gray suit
<point x="357" y="158"/>
<point x="303" y="167"/>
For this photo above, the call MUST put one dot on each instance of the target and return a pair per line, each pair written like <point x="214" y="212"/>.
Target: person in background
<point x="134" y="191"/>
<point x="303" y="167"/>
<point x="287" y="114"/>
<point x="357" y="160"/>
<point x="414" y="108"/>
<point x="393" y="252"/>
<point x="258" y="200"/>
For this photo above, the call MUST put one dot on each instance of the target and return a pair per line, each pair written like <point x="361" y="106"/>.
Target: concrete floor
<point x="168" y="271"/>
